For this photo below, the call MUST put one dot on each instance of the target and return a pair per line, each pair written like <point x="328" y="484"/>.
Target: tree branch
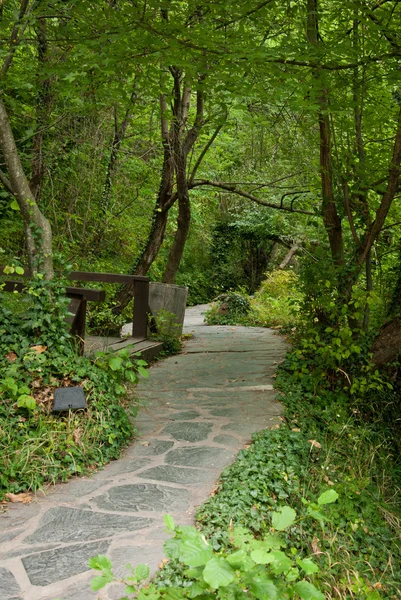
<point x="205" y="150"/>
<point x="6" y="182"/>
<point x="234" y="190"/>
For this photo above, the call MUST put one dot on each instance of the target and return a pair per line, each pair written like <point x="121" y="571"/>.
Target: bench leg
<point x="141" y="303"/>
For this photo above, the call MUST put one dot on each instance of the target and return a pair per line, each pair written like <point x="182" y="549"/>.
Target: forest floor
<point x="200" y="408"/>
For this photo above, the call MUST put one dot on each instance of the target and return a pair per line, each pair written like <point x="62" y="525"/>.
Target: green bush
<point x="231" y="308"/>
<point x="37" y="355"/>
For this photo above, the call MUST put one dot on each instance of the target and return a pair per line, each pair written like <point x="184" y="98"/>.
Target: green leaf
<point x="14" y="205"/>
<point x="25" y="401"/>
<point x="194" y="552"/>
<point x="281" y="562"/>
<point x="172" y="548"/>
<point x="307" y="565"/>
<point x="100" y="581"/>
<point x="241" y="536"/>
<point x="307" y="591"/>
<point x="196" y="589"/>
<point x="261" y="557"/>
<point x="240" y="559"/>
<point x="218" y="573"/>
<point x="327" y="497"/>
<point x="19" y="270"/>
<point x="283" y="518"/>
<point x="174" y="593"/>
<point x="115" y="363"/>
<point x="263" y="589"/>
<point x="169" y="522"/>
<point x="142" y="371"/>
<point x="142" y="572"/>
<point x="99" y="562"/>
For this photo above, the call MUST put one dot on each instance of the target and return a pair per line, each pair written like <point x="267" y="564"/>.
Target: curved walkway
<point x="202" y="406"/>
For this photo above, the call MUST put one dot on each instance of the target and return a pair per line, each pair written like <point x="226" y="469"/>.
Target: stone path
<point x="201" y="407"/>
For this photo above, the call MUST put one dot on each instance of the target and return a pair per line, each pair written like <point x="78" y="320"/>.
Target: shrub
<point x="37" y="355"/>
<point x="231" y="308"/>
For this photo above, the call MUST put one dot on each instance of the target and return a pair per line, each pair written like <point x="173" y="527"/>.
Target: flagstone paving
<point x="200" y="408"/>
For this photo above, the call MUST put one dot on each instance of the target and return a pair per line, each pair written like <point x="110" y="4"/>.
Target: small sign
<point x="69" y="398"/>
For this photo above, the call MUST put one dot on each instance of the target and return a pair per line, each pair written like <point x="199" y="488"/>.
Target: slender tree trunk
<point x="38" y="249"/>
<point x="43" y="110"/>
<point x="183" y="220"/>
<point x="288" y="257"/>
<point x="331" y="219"/>
<point x="118" y="137"/>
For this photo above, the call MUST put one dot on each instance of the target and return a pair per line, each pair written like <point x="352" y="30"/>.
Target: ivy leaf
<point x="327" y="497"/>
<point x="307" y="591"/>
<point x="283" y="518"/>
<point x="218" y="573"/>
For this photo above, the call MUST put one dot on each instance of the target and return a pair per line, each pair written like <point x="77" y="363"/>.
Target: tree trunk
<point x="287" y="259"/>
<point x="387" y="345"/>
<point x="183" y="226"/>
<point x="39" y="248"/>
<point x="164" y="202"/>
<point x="331" y="219"/>
<point x="43" y="110"/>
<point x="118" y="137"/>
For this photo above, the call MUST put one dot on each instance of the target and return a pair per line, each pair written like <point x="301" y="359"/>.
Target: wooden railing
<point x="80" y="297"/>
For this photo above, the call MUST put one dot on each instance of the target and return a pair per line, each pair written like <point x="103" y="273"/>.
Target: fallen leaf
<point x="11" y="356"/>
<point x="295" y="429"/>
<point x="315" y="547"/>
<point x="77" y="435"/>
<point x="24" y="498"/>
<point x="327" y="480"/>
<point x="39" y="349"/>
<point x="276" y="426"/>
<point x="144" y="443"/>
<point x="315" y="443"/>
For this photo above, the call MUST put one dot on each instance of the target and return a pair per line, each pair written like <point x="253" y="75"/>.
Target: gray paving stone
<point x="183" y="416"/>
<point x="29" y="550"/>
<point x="9" y="535"/>
<point x="55" y="565"/>
<point x="188" y="431"/>
<point x="247" y="427"/>
<point x="9" y="588"/>
<point x="226" y="440"/>
<point x="144" y="496"/>
<point x="154" y="448"/>
<point x="199" y="456"/>
<point x="223" y="412"/>
<point x="176" y="474"/>
<point x="64" y="524"/>
<point x="124" y="465"/>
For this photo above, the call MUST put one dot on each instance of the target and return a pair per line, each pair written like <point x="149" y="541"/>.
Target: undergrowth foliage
<point x="37" y="355"/>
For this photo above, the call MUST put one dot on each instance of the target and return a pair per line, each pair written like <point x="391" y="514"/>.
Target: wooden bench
<point x="80" y="297"/>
